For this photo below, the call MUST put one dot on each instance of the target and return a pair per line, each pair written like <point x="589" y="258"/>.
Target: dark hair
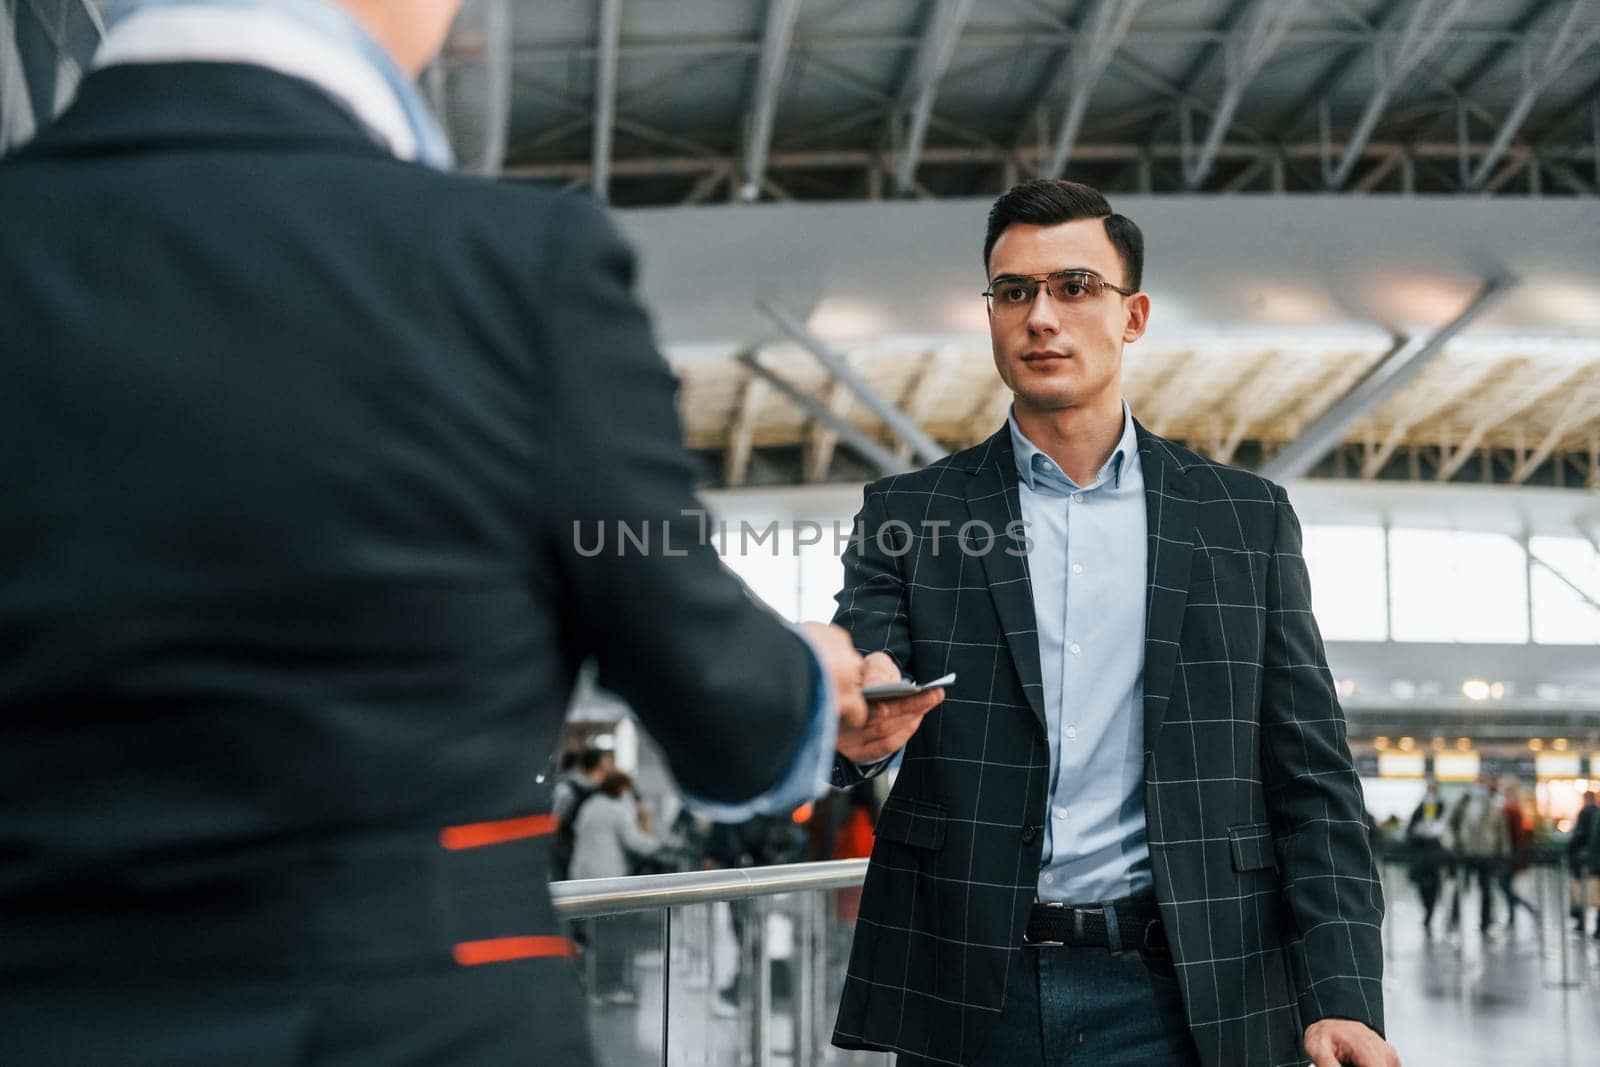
<point x="1052" y="201"/>
<point x="616" y="784"/>
<point x="590" y="759"/>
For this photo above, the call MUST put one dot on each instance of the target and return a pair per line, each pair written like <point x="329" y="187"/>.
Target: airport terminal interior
<point x="1373" y="258"/>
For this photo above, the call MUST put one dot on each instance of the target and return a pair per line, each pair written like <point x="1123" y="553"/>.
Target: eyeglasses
<point x="1012" y="294"/>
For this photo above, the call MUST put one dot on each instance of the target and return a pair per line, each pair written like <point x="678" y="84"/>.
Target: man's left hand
<point x="1331" y="1042"/>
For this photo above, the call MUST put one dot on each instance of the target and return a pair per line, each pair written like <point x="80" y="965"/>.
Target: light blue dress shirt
<point x="1087" y="569"/>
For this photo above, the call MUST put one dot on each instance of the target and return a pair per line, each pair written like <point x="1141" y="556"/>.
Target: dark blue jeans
<point x="1088" y="1006"/>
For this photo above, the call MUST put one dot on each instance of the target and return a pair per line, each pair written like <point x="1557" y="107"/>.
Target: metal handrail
<point x="591" y="897"/>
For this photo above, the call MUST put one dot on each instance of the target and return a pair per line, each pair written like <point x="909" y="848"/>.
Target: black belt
<point x="1137" y="925"/>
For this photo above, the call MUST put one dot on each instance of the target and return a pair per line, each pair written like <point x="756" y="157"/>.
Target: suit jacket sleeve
<point x="722" y="684"/>
<point x="1330" y="881"/>
<point x="873" y="606"/>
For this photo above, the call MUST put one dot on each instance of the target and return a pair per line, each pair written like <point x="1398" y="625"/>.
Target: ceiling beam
<point x="822" y="441"/>
<point x="1475" y="78"/>
<point x="17" y="122"/>
<point x="1575" y="412"/>
<point x="1260" y="389"/>
<point x="1394" y="371"/>
<point x="605" y="96"/>
<point x="1571" y="39"/>
<point x="923" y="446"/>
<point x="938" y="367"/>
<point x="1103" y="29"/>
<point x="990" y="412"/>
<point x="497" y="85"/>
<point x="871" y="451"/>
<point x="1416" y="414"/>
<point x="742" y="435"/>
<point x="1560" y="576"/>
<point x="1396" y="55"/>
<point x="853" y="82"/>
<point x="776" y="41"/>
<point x="1252" y="39"/>
<point x="697" y="159"/>
<point x="922" y="87"/>
<point x="1059" y="34"/>
<point x="1165" y="405"/>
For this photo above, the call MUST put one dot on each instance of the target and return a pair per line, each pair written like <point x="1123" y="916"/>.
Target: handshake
<point x="868" y="732"/>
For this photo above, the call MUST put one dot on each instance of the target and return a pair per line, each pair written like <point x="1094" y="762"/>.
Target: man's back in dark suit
<point x="296" y="438"/>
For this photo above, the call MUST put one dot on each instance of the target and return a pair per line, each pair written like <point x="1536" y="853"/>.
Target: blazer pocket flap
<point x="1220" y="566"/>
<point x="911" y="822"/>
<point x="1252" y="847"/>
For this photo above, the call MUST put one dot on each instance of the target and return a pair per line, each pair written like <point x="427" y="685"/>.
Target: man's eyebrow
<point x="1061" y="270"/>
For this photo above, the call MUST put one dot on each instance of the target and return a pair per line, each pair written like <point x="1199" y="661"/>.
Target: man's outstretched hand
<point x="889" y="724"/>
<point x="1332" y="1042"/>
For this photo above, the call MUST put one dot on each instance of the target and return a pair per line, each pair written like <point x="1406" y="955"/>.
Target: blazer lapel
<point x="992" y="499"/>
<point x="1169" y="498"/>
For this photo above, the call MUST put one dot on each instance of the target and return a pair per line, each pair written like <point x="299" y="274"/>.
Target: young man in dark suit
<point x="1133" y="830"/>
<point x="299" y="432"/>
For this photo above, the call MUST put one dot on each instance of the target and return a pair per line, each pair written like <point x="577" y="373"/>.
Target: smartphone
<point x="904" y="688"/>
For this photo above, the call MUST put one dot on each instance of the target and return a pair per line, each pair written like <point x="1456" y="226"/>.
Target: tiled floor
<point x="1452" y="1000"/>
<point x="1463" y="1001"/>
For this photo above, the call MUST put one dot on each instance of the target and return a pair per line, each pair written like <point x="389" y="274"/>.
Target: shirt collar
<point x="1034" y="467"/>
<point x="311" y="40"/>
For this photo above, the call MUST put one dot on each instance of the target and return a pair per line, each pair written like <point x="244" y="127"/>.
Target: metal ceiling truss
<point x="1420" y="28"/>
<point x="909" y="124"/>
<point x="1402" y="363"/>
<point x="770" y="69"/>
<point x="1256" y="33"/>
<point x="1578" y="28"/>
<point x="609" y="39"/>
<point x="1402" y="48"/>
<point x="1105" y="27"/>
<point x="1419" y="159"/>
<point x="903" y="427"/>
<point x="863" y="444"/>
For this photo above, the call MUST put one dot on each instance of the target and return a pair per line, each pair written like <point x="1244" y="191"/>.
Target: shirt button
<point x="1074" y="649"/>
<point x="1028" y="834"/>
<point x="1077" y="568"/>
<point x="1072" y="732"/>
<point x="1049" y="879"/>
<point x="1077" y="498"/>
<point x="1061" y="813"/>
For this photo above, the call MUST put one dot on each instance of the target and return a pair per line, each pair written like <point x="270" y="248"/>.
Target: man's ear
<point x="1138" y="311"/>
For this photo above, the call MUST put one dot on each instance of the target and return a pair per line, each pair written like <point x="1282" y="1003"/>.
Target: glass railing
<point x="714" y="968"/>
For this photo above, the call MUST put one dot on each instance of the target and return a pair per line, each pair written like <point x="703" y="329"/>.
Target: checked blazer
<point x="1259" y="851"/>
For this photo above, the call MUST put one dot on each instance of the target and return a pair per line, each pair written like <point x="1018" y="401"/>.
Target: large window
<point x="1454" y="585"/>
<point x="1566" y="585"/>
<point x="1444" y="585"/>
<point x="1346" y="565"/>
<point x="821" y="573"/>
<point x="793" y="567"/>
<point x="767" y="564"/>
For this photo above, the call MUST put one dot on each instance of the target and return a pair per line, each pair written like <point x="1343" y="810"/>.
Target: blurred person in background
<point x="1426" y="834"/>
<point x="1583" y="857"/>
<point x="612" y="834"/>
<point x="299" y="429"/>
<point x="1519" y="852"/>
<point x="575" y="786"/>
<point x="1478" y="828"/>
<point x="612" y="831"/>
